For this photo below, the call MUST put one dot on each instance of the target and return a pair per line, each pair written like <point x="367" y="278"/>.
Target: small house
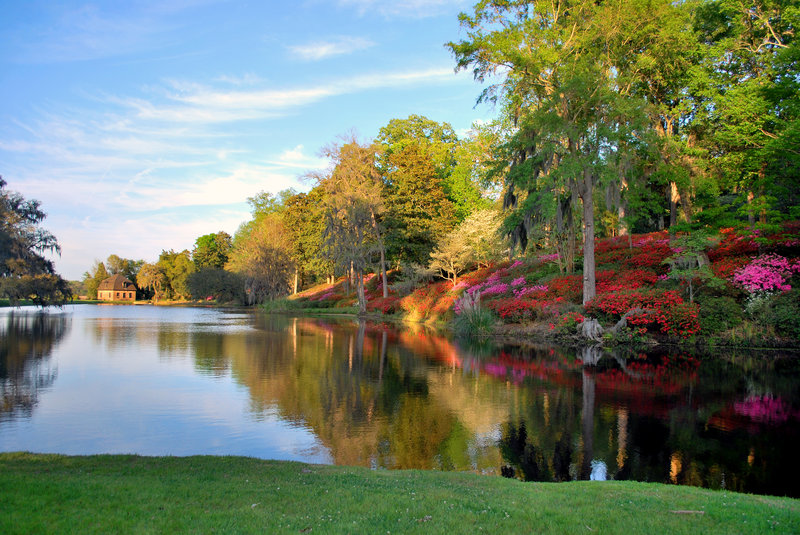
<point x="116" y="288"/>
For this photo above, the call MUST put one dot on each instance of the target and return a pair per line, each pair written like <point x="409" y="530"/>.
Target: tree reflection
<point x="26" y="342"/>
<point x="379" y="397"/>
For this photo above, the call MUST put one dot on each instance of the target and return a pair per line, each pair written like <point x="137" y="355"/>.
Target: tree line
<point x="614" y="117"/>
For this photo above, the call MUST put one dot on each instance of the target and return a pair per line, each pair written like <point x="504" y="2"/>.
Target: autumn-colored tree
<point x="151" y="277"/>
<point x="353" y="209"/>
<point x="262" y="256"/>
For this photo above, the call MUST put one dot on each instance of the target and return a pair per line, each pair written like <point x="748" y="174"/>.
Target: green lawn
<point x="131" y="494"/>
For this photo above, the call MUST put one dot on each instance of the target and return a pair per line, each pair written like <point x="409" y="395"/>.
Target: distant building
<point x="116" y="288"/>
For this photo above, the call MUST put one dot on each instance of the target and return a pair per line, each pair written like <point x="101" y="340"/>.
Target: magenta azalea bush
<point x="766" y="273"/>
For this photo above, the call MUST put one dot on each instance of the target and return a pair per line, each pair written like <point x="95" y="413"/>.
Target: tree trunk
<point x="674" y="199"/>
<point x="383" y="253"/>
<point x="383" y="273"/>
<point x="589" y="284"/>
<point x="296" y="280"/>
<point x="362" y="298"/>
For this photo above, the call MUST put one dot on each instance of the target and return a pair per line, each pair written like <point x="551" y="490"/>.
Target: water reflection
<point x="26" y="342"/>
<point x="357" y="393"/>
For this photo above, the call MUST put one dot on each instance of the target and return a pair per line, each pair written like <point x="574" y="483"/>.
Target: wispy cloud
<point x="333" y="47"/>
<point x="186" y="103"/>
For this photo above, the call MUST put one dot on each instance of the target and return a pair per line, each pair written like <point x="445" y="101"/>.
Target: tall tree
<point x="561" y="81"/>
<point x="354" y="205"/>
<point x="24" y="272"/>
<point x="176" y="268"/>
<point x="124" y="266"/>
<point x="262" y="256"/>
<point x="303" y="217"/>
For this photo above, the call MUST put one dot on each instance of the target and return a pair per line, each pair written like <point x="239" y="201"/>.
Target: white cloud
<point x="189" y="103"/>
<point x="297" y="159"/>
<point x="334" y="47"/>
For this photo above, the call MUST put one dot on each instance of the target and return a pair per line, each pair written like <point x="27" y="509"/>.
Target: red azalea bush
<point x="732" y="244"/>
<point x="386" y="305"/>
<point x="569" y="322"/>
<point x="663" y="308"/>
<point x="569" y="287"/>
<point x="725" y="267"/>
<point x="615" y="281"/>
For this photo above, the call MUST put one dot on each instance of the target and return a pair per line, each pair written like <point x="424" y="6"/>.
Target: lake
<point x="184" y="381"/>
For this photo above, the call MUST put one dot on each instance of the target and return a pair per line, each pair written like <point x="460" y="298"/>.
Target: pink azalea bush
<point x="521" y="292"/>
<point x="766" y="273"/>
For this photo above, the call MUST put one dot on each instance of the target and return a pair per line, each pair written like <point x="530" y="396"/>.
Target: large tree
<point x="304" y="219"/>
<point x="93" y="278"/>
<point x="353" y="209"/>
<point x="24" y="271"/>
<point x="176" y="267"/>
<point x="262" y="256"/>
<point x="562" y="89"/>
<point x="426" y="192"/>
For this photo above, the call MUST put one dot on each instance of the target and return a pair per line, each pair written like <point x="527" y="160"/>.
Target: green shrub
<point x="781" y="312"/>
<point x="718" y="314"/>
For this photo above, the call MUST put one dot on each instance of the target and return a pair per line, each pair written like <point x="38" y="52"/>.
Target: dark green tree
<point x="24" y="272"/>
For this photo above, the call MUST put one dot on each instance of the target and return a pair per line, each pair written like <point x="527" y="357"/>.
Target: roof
<point x="117" y="282"/>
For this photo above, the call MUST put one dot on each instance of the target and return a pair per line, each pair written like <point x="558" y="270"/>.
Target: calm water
<point x="185" y="381"/>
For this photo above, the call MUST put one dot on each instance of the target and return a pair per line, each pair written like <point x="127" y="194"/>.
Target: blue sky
<point x="143" y="125"/>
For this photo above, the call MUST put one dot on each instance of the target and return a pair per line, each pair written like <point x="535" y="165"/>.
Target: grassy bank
<point x="49" y="493"/>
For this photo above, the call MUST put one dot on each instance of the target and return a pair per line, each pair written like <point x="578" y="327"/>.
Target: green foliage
<point x="416" y="161"/>
<point x="263" y="258"/>
<point x="781" y="312"/>
<point x="212" y="250"/>
<point x="93" y="278"/>
<point x="264" y="203"/>
<point x="176" y="268"/>
<point x="353" y="211"/>
<point x="123" y="266"/>
<point x="690" y="264"/>
<point x="152" y="278"/>
<point x="475" y="241"/>
<point x="719" y="314"/>
<point x="24" y="272"/>
<point x="303" y="217"/>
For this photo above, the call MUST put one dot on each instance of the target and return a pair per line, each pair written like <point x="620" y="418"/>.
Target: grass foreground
<point x="126" y="493"/>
